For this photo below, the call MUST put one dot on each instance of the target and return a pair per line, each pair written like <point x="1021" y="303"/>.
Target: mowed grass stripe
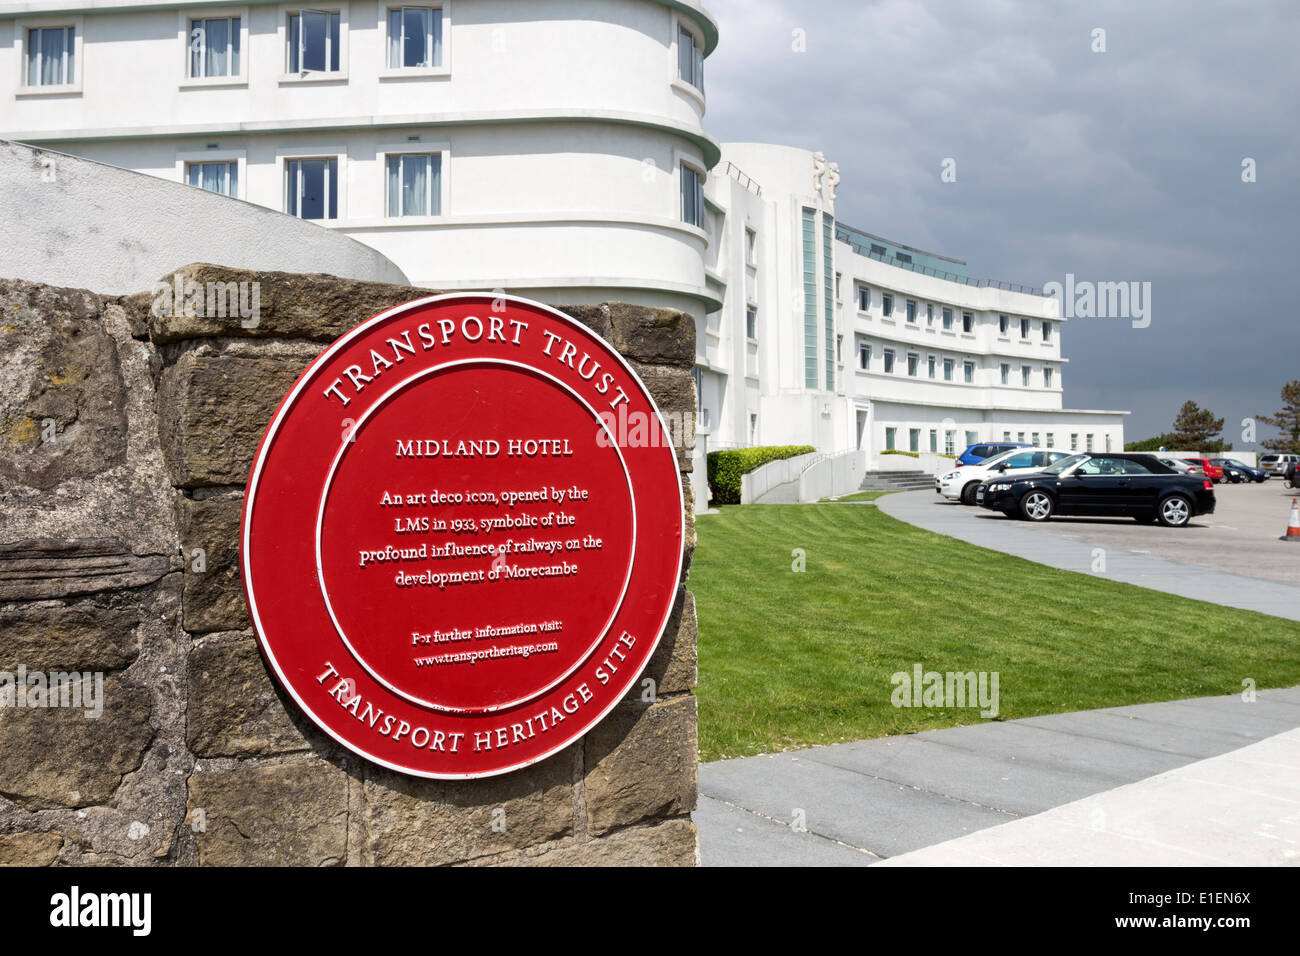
<point x="797" y="659"/>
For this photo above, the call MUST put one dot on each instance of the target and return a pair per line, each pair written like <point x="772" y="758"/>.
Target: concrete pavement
<point x="859" y="803"/>
<point x="1072" y="546"/>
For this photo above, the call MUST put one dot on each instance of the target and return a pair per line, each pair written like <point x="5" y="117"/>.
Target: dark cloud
<point x="1122" y="165"/>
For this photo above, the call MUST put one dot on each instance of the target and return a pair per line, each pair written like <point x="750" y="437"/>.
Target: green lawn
<point x="795" y="659"/>
<point x="860" y="496"/>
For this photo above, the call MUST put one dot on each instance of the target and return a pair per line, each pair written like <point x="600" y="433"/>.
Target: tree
<point x="1287" y="421"/>
<point x="1196" y="428"/>
<point x="1149" y="444"/>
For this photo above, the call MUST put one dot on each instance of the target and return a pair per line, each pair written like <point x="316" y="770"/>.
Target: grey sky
<point x="1122" y="165"/>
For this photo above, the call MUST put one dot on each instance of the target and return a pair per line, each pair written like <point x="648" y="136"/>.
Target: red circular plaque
<point x="462" y="535"/>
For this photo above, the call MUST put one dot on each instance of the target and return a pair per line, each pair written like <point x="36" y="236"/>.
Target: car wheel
<point x="1175" y="511"/>
<point x="1036" y="506"/>
<point x="968" y="493"/>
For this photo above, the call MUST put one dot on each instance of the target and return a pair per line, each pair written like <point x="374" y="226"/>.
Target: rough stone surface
<point x="59" y="757"/>
<point x="29" y="849"/>
<point x="215" y="406"/>
<point x="641" y="763"/>
<point x="416" y="822"/>
<point x="674" y="664"/>
<point x="62" y="401"/>
<point x="214" y="596"/>
<point x="316" y="307"/>
<point x="235" y="708"/>
<point x="670" y="843"/>
<point x="40" y="568"/>
<point x="58" y="637"/>
<point x="283" y="814"/>
<point x="655" y="336"/>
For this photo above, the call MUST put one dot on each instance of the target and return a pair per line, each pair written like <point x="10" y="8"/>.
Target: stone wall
<point x="125" y="442"/>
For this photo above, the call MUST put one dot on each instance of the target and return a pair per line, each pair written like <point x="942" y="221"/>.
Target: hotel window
<point x="690" y="58"/>
<point x="312" y="188"/>
<point x="1033" y="438"/>
<point x="967" y="322"/>
<point x="1088" y="446"/>
<point x="751" y="322"/>
<point x="1047" y="331"/>
<point x="949" y="441"/>
<point x="221" y="178"/>
<point x="414" y="37"/>
<point x="415" y="184"/>
<point x="1074" y="441"/>
<point x="889" y="361"/>
<point x="914" y="439"/>
<point x="1108" y="443"/>
<point x="214" y="47"/>
<point x="911" y="311"/>
<point x="1003" y="324"/>
<point x="1051" y="439"/>
<point x="913" y="362"/>
<point x="1024" y="375"/>
<point x="1024" y="328"/>
<point x="1006" y="436"/>
<point x="929" y="313"/>
<point x="1047" y="378"/>
<point x="889" y="438"/>
<point x="864" y="299"/>
<point x="902" y="257"/>
<point x="968" y="371"/>
<point x="692" y="196"/>
<point x="886" y="304"/>
<point x="877" y="250"/>
<point x="947" y="370"/>
<point x="839" y="278"/>
<point x="51" y="56"/>
<point x="314" y="41"/>
<point x="1006" y="374"/>
<point x="972" y="438"/>
<point x="751" y="247"/>
<point x="934" y="441"/>
<point x="930" y="362"/>
<point x="1020" y="437"/>
<point x="864" y="356"/>
<point x="947" y="320"/>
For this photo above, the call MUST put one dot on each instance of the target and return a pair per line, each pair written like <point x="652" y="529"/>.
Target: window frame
<point x="864" y="293"/>
<point x="889" y="360"/>
<point x="949" y="367"/>
<point x="751" y="322"/>
<point x="1026" y="373"/>
<point x="1005" y="372"/>
<point x="686" y="162"/>
<point x="886" y="305"/>
<point x="967" y="323"/>
<point x="682" y="25"/>
<point x="968" y="372"/>
<point x="21" y="28"/>
<point x="339" y="154"/>
<point x="187" y="158"/>
<point x="316" y="76"/>
<point x="946" y="319"/>
<point x="1004" y="326"/>
<point x="911" y="309"/>
<point x="387" y="72"/>
<point x="913" y="364"/>
<point x="187" y="14"/>
<point x="864" y="356"/>
<point x="1024" y="330"/>
<point x="751" y="246"/>
<point x="441" y="150"/>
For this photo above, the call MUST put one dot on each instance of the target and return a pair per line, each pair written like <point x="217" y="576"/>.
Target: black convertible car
<point x="1126" y="485"/>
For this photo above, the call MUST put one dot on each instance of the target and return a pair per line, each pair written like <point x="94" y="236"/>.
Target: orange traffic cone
<point x="1293" y="526"/>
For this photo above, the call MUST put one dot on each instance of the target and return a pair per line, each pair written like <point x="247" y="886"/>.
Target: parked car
<point x="1132" y="485"/>
<point x="1180" y="466"/>
<point x="960" y="483"/>
<point x="1276" y="464"/>
<point x="1238" y="471"/>
<point x="974" y="454"/>
<point x="1208" y="468"/>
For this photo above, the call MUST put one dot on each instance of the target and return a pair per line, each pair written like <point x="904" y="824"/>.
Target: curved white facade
<point x="560" y="129"/>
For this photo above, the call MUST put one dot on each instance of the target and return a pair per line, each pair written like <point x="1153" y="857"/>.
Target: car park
<point x="1111" y="485"/>
<point x="1276" y="464"/>
<point x="959" y="484"/>
<point x="1208" y="468"/>
<point x="975" y="454"/>
<point x="1236" y="471"/>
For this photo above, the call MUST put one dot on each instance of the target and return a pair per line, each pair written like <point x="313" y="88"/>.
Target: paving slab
<point x="739" y="837"/>
<point x="897" y="795"/>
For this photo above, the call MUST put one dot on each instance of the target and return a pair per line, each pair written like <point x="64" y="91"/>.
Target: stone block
<point x="213" y="598"/>
<point x="235" y="708"/>
<point x="59" y="638"/>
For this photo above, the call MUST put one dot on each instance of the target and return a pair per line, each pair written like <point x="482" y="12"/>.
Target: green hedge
<point x="895" y="451"/>
<point x="726" y="467"/>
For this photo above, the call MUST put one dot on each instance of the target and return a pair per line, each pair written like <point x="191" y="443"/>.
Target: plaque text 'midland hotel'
<point x="484" y="448"/>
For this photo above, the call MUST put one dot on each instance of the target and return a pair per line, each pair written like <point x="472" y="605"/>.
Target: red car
<point x="1208" y="468"/>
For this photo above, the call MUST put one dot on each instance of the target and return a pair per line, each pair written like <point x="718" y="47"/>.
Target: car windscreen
<point x="1064" y="464"/>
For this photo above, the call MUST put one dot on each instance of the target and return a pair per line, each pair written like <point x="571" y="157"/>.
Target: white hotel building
<point x="555" y="149"/>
